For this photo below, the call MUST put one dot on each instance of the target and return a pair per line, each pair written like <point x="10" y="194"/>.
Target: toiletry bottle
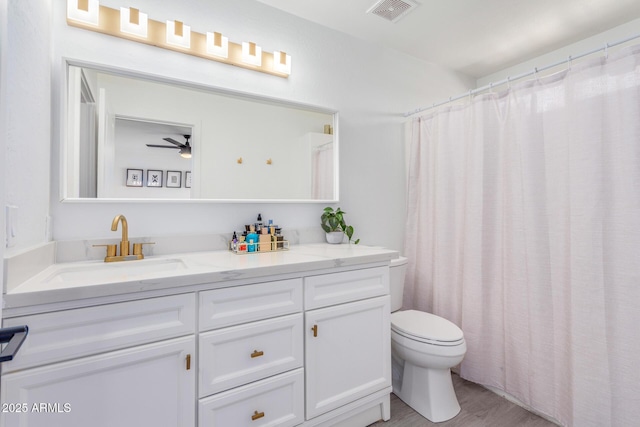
<point x="234" y="242"/>
<point x="242" y="244"/>
<point x="259" y="223"/>
<point x="252" y="241"/>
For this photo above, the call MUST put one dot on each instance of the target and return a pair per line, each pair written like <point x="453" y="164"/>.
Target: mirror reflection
<point x="134" y="138"/>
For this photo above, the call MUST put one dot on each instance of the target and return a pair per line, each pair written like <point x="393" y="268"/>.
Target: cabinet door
<point x="348" y="353"/>
<point x="147" y="385"/>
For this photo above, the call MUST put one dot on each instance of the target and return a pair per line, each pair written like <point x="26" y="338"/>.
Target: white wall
<point x="26" y="102"/>
<point x="613" y="35"/>
<point x="369" y="86"/>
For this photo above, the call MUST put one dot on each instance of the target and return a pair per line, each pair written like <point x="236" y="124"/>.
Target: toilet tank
<point x="397" y="270"/>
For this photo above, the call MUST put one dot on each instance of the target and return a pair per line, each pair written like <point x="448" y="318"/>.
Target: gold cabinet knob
<point x="257" y="415"/>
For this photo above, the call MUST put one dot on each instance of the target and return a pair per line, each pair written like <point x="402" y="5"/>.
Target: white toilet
<point x="424" y="348"/>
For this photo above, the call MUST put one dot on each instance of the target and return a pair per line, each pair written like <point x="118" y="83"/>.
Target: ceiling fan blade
<point x="173" y="141"/>
<point x="163" y="146"/>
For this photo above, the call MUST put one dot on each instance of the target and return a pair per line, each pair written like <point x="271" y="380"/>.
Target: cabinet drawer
<point x="337" y="288"/>
<point x="276" y="401"/>
<point x="237" y="355"/>
<point x="242" y="304"/>
<point x="80" y="332"/>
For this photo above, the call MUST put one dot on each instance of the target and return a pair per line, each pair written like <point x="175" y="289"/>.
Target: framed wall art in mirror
<point x="154" y="178"/>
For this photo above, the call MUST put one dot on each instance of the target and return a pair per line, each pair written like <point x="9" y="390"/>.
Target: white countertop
<point x="92" y="279"/>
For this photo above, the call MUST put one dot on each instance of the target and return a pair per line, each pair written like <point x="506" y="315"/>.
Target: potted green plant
<point x="335" y="227"/>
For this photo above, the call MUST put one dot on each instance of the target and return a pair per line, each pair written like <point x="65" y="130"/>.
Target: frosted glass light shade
<point x="133" y="22"/>
<point x="251" y="54"/>
<point x="281" y="62"/>
<point x="218" y="45"/>
<point x="178" y="34"/>
<point x="87" y="11"/>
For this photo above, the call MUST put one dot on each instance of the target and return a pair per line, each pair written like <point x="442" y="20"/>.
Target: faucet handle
<point x="111" y="249"/>
<point x="137" y="247"/>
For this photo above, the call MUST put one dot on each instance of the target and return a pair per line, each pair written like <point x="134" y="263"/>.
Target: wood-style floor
<point x="480" y="408"/>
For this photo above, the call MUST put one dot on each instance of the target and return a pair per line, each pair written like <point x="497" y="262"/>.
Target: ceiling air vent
<point x="392" y="10"/>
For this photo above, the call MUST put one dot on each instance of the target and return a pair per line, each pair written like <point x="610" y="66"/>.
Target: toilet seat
<point x="426" y="327"/>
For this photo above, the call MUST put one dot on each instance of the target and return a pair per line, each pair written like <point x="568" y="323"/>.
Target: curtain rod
<point x="520" y="76"/>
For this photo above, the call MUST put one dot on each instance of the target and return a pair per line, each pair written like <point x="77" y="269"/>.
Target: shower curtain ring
<point x="606" y="50"/>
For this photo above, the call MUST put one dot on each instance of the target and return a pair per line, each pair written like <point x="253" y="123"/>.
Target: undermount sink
<point x="116" y="271"/>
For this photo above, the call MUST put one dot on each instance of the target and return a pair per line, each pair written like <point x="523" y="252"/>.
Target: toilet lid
<point x="425" y="326"/>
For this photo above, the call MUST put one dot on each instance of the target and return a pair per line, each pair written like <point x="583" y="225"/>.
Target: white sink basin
<point x="116" y="271"/>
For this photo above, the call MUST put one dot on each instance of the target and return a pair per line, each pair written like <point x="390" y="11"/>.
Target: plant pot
<point x="335" y="237"/>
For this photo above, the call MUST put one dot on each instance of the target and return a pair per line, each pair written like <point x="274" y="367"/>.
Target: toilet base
<point x="428" y="391"/>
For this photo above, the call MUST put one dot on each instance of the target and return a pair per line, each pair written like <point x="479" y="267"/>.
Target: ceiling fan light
<point x="185" y="153"/>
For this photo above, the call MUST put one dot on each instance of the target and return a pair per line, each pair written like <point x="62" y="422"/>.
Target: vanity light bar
<point x="131" y="24"/>
<point x="86" y="11"/>
<point x="252" y="53"/>
<point x="217" y="45"/>
<point x="282" y="62"/>
<point x="178" y="34"/>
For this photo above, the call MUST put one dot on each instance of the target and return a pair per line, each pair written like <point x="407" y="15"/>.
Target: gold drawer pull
<point x="257" y="415"/>
<point x="315" y="330"/>
<point x="188" y="362"/>
<point x="257" y="353"/>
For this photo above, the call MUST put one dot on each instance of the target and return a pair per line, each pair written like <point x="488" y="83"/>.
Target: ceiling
<point x="475" y="37"/>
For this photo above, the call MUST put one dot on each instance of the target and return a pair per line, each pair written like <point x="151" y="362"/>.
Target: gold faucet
<point x="124" y="244"/>
<point x="112" y="255"/>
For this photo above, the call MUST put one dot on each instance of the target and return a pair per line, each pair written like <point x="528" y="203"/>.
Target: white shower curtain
<point x="523" y="228"/>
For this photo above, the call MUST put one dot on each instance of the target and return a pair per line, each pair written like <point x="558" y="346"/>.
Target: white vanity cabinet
<point x="262" y="369"/>
<point x="289" y="344"/>
<point x="347" y="340"/>
<point x="125" y="364"/>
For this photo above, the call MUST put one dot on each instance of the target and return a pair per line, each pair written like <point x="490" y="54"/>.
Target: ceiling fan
<point x="185" y="149"/>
